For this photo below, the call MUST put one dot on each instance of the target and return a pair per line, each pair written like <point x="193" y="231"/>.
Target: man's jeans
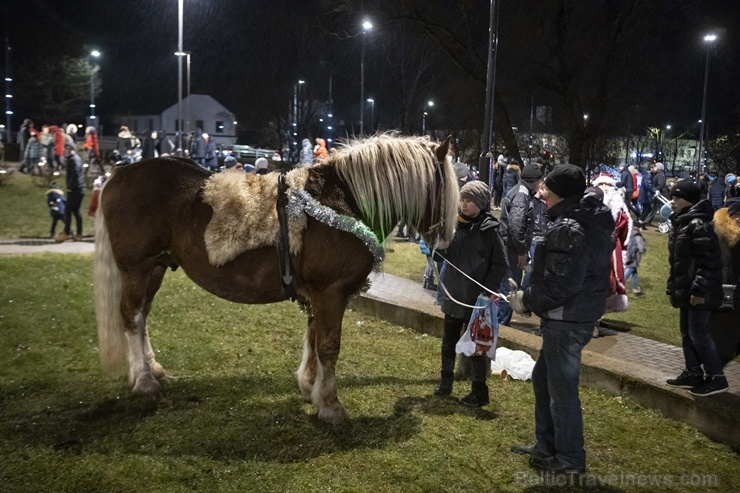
<point x="698" y="345"/>
<point x="504" y="309"/>
<point x="557" y="411"/>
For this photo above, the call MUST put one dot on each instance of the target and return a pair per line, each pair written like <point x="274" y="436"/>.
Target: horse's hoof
<point x="334" y="416"/>
<point x="146" y="384"/>
<point x="158" y="371"/>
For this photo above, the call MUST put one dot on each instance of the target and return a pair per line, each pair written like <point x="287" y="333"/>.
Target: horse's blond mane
<point x="392" y="176"/>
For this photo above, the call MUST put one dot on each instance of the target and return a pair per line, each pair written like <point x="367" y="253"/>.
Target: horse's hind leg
<point x="155" y="282"/>
<point x="316" y="376"/>
<point x="137" y="291"/>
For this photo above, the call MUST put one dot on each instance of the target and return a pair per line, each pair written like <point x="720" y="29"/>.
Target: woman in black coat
<point x="725" y="324"/>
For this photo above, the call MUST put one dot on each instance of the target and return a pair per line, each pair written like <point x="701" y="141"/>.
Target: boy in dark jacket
<point x="569" y="287"/>
<point x="55" y="201"/>
<point x="477" y="249"/>
<point x="695" y="288"/>
<point x="635" y="249"/>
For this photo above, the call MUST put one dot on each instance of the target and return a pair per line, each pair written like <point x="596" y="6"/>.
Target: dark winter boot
<point x="477" y="397"/>
<point x="445" y="384"/>
<point x="429" y="284"/>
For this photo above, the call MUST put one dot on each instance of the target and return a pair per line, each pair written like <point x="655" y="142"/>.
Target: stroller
<point x="665" y="211"/>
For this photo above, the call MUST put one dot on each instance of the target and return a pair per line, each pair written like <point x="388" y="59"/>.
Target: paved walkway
<point x="618" y="362"/>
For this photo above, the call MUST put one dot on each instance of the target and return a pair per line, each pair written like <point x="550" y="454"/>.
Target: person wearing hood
<point x="724" y="323"/>
<point x="695" y="288"/>
<point x="126" y="144"/>
<point x="57" y="204"/>
<point x="477" y="250"/>
<point x="306" y="157"/>
<point x="510" y="177"/>
<point x="568" y="289"/>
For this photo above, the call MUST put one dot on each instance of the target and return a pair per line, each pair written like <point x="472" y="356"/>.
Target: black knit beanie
<point x="566" y="180"/>
<point x="688" y="190"/>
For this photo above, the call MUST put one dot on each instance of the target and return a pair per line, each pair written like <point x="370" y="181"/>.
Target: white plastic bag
<point x="482" y="332"/>
<point x="516" y="364"/>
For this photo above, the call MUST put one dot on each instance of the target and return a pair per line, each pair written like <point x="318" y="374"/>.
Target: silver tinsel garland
<point x="301" y="201"/>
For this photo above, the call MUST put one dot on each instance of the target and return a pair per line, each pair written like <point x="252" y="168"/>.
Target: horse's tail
<point x="107" y="291"/>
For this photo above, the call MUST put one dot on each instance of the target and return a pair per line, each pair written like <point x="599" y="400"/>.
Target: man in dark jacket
<point x="568" y="292"/>
<point x="517" y="227"/>
<point x="75" y="194"/>
<point x="695" y="288"/>
<point x="477" y="249"/>
<point x="647" y="197"/>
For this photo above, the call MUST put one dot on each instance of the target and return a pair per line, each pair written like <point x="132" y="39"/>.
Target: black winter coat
<point x="725" y="326"/>
<point x="660" y="183"/>
<point x="694" y="257"/>
<point x="511" y="177"/>
<point x="478" y="250"/>
<point x="75" y="174"/>
<point x="517" y="218"/>
<point x="570" y="278"/>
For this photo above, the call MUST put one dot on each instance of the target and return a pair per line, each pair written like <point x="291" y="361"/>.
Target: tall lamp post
<point x="485" y="161"/>
<point x="709" y="39"/>
<point x="372" y="113"/>
<point x="186" y="54"/>
<point x="8" y="79"/>
<point x="366" y="26"/>
<point x="424" y="114"/>
<point x="178" y="127"/>
<point x="94" y="54"/>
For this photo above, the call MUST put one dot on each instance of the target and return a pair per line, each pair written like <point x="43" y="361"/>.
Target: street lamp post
<point x="178" y="127"/>
<point x="485" y="161"/>
<point x="372" y="113"/>
<point x="366" y="26"/>
<point x="94" y="54"/>
<point x="424" y="114"/>
<point x="186" y="54"/>
<point x="709" y="39"/>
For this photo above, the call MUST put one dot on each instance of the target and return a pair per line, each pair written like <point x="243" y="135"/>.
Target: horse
<point x="153" y="216"/>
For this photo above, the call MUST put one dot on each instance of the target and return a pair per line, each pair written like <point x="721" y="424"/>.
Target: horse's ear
<point x="443" y="149"/>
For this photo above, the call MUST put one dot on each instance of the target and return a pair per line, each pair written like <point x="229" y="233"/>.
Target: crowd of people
<point x="563" y="248"/>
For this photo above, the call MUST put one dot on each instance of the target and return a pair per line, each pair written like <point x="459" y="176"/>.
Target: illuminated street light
<point x="709" y="39"/>
<point x="424" y="114"/>
<point x="94" y="54"/>
<point x="372" y="112"/>
<point x="366" y="26"/>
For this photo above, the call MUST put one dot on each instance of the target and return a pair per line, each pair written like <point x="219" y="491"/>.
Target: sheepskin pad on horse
<point x="245" y="214"/>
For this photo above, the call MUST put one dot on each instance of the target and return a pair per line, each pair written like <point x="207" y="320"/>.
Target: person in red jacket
<point x="58" y="135"/>
<point x="92" y="147"/>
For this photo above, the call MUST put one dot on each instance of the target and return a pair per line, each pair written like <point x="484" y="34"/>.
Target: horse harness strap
<point x="289" y="284"/>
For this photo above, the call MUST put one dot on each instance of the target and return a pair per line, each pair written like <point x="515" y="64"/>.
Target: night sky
<point x="248" y="55"/>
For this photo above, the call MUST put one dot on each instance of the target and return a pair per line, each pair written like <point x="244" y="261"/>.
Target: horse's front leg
<point x="324" y="337"/>
<point x="307" y="370"/>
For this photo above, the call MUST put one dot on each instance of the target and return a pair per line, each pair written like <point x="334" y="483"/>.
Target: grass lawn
<point x="232" y="418"/>
<point x="25" y="213"/>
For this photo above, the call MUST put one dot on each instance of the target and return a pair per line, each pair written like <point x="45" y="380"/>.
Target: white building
<point x="198" y="111"/>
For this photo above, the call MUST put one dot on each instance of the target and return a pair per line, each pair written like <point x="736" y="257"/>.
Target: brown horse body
<point x="152" y="216"/>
